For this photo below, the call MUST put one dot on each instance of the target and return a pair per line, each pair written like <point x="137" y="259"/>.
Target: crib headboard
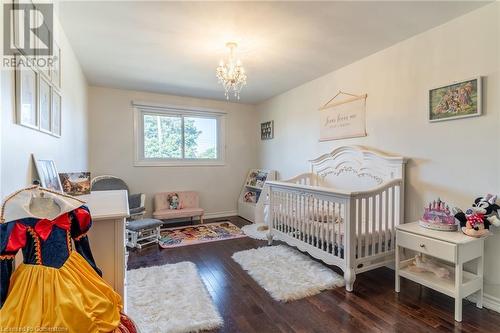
<point x="357" y="168"/>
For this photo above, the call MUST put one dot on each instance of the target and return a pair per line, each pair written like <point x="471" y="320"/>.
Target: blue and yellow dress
<point x="58" y="286"/>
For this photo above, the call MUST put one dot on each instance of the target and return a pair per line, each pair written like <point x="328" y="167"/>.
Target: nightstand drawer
<point x="432" y="247"/>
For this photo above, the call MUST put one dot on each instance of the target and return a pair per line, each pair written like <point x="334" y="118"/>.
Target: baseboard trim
<point x="489" y="302"/>
<point x="217" y="215"/>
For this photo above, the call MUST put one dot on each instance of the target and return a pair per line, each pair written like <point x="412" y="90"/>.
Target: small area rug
<point x="197" y="234"/>
<point x="285" y="273"/>
<point x="252" y="231"/>
<point x="170" y="299"/>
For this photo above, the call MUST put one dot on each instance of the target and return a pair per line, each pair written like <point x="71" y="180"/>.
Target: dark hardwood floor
<point x="372" y="307"/>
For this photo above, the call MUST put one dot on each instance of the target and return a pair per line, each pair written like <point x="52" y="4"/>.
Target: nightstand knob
<point x="422" y="245"/>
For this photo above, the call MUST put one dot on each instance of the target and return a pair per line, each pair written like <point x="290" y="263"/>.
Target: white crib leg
<point x="269" y="238"/>
<point x="349" y="277"/>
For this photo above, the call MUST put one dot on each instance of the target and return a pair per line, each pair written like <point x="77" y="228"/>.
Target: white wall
<point x="455" y="160"/>
<point x="18" y="143"/>
<point x="112" y="149"/>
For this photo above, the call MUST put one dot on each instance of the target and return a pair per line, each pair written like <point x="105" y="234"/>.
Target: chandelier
<point x="231" y="73"/>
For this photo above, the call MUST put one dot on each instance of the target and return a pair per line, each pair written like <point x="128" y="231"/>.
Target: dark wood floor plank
<point x="372" y="307"/>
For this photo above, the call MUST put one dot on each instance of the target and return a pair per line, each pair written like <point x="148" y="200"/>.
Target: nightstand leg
<point x="458" y="294"/>
<point x="396" y="270"/>
<point x="480" y="268"/>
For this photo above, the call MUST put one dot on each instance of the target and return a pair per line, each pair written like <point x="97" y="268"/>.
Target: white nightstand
<point x="455" y="249"/>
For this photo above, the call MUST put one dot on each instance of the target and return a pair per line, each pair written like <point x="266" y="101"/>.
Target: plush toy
<point x="173" y="201"/>
<point x="428" y="265"/>
<point x="476" y="221"/>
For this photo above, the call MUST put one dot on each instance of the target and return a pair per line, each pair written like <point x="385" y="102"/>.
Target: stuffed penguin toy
<point x="477" y="220"/>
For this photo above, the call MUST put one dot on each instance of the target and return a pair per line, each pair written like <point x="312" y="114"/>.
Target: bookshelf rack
<point x="253" y="196"/>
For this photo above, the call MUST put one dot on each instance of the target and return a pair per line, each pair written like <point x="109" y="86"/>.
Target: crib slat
<point x="284" y="216"/>
<point x="289" y="211"/>
<point x="394" y="217"/>
<point x="373" y="226"/>
<point x="306" y="218"/>
<point x="366" y="225"/>
<point x="317" y="222"/>
<point x="324" y="213"/>
<point x="358" y="229"/>
<point x="335" y="225"/>
<point x="386" y="219"/>
<point x="332" y="226"/>
<point x="317" y="218"/>
<point x="294" y="214"/>
<point x="302" y="226"/>
<point x="379" y="199"/>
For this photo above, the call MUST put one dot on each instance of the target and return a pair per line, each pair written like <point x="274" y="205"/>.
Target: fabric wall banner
<point x="343" y="119"/>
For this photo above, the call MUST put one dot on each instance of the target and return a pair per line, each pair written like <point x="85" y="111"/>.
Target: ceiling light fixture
<point x="231" y="73"/>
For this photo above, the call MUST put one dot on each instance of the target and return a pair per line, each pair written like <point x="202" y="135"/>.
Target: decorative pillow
<point x="173" y="201"/>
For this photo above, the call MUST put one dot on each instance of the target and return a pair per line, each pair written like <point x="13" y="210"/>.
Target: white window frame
<point x="142" y="108"/>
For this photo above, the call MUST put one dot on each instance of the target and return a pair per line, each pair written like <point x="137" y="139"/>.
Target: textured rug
<point x="255" y="231"/>
<point x="203" y="233"/>
<point x="285" y="273"/>
<point x="170" y="299"/>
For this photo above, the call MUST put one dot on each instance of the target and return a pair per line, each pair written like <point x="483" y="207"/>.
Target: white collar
<point x="16" y="206"/>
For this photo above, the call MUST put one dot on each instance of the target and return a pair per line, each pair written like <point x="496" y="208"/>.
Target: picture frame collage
<point x="38" y="93"/>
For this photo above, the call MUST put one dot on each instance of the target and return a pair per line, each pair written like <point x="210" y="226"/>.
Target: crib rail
<point x="348" y="229"/>
<point x="308" y="178"/>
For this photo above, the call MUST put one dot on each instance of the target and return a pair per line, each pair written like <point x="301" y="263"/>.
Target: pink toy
<point x="437" y="216"/>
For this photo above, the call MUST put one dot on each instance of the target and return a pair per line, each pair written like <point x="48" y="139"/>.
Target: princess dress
<point x="58" y="287"/>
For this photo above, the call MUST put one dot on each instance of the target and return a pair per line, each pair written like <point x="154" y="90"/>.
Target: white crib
<point x="344" y="212"/>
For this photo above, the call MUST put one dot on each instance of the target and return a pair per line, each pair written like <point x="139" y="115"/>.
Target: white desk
<point x="453" y="247"/>
<point x="107" y="235"/>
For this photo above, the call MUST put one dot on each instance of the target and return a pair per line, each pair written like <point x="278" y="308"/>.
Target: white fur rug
<point x="251" y="230"/>
<point x="285" y="273"/>
<point x="170" y="299"/>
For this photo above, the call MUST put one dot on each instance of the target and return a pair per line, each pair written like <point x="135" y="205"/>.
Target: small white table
<point x="455" y="249"/>
<point x="107" y="235"/>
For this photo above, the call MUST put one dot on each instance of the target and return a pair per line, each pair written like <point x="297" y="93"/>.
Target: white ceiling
<point x="174" y="47"/>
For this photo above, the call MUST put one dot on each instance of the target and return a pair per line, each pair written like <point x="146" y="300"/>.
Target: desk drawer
<point x="429" y="246"/>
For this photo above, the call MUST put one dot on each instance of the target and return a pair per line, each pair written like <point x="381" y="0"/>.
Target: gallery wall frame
<point x="456" y="100"/>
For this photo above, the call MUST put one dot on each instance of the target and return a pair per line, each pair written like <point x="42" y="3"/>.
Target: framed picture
<point x="56" y="113"/>
<point x="26" y="95"/>
<point x="47" y="174"/>
<point x="75" y="183"/>
<point x="44" y="104"/>
<point x="56" y="66"/>
<point x="267" y="130"/>
<point x="455" y="101"/>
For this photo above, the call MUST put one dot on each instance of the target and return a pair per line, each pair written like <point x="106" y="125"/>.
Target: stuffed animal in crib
<point x="476" y="220"/>
<point x="421" y="265"/>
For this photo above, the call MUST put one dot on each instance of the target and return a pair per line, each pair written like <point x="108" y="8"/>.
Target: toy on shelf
<point x="437" y="216"/>
<point x="476" y="220"/>
<point x="421" y="265"/>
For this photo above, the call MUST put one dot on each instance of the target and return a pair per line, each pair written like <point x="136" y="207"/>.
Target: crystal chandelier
<point x="231" y="73"/>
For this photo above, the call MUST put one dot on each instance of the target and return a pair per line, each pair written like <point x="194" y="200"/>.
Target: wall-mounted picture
<point x="267" y="130"/>
<point x="26" y="96"/>
<point x="44" y="104"/>
<point x="75" y="183"/>
<point x="56" y="113"/>
<point x="454" y="101"/>
<point x="47" y="174"/>
<point x="56" y="67"/>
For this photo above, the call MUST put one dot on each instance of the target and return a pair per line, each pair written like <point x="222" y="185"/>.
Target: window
<point x="170" y="136"/>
